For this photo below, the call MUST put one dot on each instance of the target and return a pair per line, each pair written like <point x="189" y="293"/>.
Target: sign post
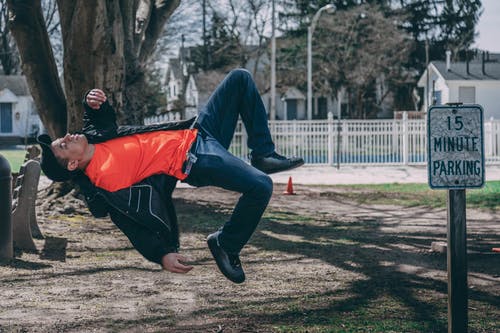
<point x="455" y="149"/>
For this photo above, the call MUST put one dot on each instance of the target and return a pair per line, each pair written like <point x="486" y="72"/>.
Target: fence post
<point x="330" y="138"/>
<point x="394" y="142"/>
<point x="494" y="143"/>
<point x="405" y="138"/>
<point x="488" y="133"/>
<point x="244" y="140"/>
<point x="294" y="135"/>
<point x="6" y="242"/>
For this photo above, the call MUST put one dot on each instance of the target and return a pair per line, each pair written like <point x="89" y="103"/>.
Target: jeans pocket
<point x="203" y="170"/>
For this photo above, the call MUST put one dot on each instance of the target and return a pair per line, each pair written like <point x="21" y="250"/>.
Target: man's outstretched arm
<point x="152" y="247"/>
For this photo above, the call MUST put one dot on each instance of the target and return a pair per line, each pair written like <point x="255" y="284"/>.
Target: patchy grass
<point x="385" y="314"/>
<point x="411" y="195"/>
<point x="15" y="158"/>
<point x="316" y="263"/>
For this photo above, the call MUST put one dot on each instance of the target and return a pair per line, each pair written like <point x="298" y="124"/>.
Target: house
<point x="199" y="89"/>
<point x="291" y="104"/>
<point x="18" y="116"/>
<point x="476" y="81"/>
<point x="176" y="79"/>
<point x="188" y="91"/>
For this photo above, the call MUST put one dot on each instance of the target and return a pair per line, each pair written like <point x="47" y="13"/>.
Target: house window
<point x="34" y="111"/>
<point x="436" y="98"/>
<point x="291" y="109"/>
<point x="5" y="117"/>
<point x="322" y="108"/>
<point x="467" y="95"/>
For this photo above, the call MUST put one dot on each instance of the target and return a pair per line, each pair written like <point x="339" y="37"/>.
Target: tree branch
<point x="38" y="63"/>
<point x="161" y="11"/>
<point x="131" y="46"/>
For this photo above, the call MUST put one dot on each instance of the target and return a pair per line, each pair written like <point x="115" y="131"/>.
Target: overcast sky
<point x="489" y="26"/>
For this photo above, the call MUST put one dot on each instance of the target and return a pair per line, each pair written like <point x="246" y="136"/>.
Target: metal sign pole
<point x="457" y="262"/>
<point x="455" y="146"/>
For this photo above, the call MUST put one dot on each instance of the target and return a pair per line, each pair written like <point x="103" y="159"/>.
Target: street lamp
<point x="330" y="8"/>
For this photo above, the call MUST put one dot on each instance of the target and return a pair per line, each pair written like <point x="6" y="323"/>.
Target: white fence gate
<point x="329" y="141"/>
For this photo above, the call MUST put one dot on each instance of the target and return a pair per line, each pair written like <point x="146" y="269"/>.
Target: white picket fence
<point x="365" y="142"/>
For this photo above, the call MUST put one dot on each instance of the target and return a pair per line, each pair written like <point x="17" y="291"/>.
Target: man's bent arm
<point x="100" y="122"/>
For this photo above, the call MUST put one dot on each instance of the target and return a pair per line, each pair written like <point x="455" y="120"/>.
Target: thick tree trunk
<point x="38" y="64"/>
<point x="106" y="45"/>
<point x="93" y="53"/>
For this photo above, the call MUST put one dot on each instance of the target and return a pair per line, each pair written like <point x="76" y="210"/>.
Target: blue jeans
<point x="215" y="166"/>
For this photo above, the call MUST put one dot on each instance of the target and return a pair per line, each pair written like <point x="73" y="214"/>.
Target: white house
<point x="18" y="115"/>
<point x="187" y="92"/>
<point x="477" y="81"/>
<point x="175" y="82"/>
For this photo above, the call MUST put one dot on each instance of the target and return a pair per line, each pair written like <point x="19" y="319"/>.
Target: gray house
<point x="477" y="81"/>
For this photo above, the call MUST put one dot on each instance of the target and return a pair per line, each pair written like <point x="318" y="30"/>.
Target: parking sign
<point x="455" y="146"/>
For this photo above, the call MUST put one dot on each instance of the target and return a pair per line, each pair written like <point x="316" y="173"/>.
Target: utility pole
<point x="272" y="111"/>
<point x="205" y="42"/>
<point x="427" y="103"/>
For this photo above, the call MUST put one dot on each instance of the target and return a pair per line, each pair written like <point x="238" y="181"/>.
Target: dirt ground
<point x="317" y="263"/>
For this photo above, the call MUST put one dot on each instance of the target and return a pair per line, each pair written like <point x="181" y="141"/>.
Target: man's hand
<point x="95" y="98"/>
<point x="172" y="263"/>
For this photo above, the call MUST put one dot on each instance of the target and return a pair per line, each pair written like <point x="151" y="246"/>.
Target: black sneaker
<point x="276" y="163"/>
<point x="229" y="264"/>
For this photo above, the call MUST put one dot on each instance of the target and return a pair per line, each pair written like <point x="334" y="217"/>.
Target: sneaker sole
<point x="284" y="169"/>
<point x="213" y="240"/>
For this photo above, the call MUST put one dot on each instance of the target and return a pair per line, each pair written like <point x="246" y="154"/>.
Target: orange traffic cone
<point x="289" y="188"/>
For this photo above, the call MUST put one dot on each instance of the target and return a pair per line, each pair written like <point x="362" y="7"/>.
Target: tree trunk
<point x="38" y="64"/>
<point x="93" y="40"/>
<point x="106" y="45"/>
<point x="147" y="28"/>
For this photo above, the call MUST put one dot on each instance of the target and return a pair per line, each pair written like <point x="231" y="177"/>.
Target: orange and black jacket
<point x="144" y="211"/>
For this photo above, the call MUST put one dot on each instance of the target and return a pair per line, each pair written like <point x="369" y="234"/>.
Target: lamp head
<point x="330" y="8"/>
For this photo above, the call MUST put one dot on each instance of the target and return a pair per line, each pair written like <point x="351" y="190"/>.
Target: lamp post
<point x="272" y="110"/>
<point x="310" y="30"/>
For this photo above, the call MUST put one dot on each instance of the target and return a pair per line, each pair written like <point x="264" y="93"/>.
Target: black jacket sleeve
<point x="149" y="205"/>
<point x="99" y="123"/>
<point x="96" y="203"/>
<point x="149" y="244"/>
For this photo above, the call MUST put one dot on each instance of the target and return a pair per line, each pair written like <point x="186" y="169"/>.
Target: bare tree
<point x="106" y="44"/>
<point x="355" y="54"/>
<point x="9" y="57"/>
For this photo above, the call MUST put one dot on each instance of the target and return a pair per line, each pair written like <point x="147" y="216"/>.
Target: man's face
<point x="71" y="147"/>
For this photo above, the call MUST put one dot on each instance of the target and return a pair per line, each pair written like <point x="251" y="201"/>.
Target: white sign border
<point x="451" y="106"/>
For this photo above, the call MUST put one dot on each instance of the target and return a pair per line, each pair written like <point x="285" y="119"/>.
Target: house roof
<point x="458" y="70"/>
<point x="206" y="82"/>
<point x="293" y="93"/>
<point x="174" y="65"/>
<point x="15" y="83"/>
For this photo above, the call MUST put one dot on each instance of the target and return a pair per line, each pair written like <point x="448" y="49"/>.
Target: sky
<point x="489" y="27"/>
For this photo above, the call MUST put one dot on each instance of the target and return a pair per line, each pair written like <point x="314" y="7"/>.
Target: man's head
<point x="62" y="157"/>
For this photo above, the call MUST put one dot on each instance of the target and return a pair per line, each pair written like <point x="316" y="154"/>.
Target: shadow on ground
<point x="386" y="250"/>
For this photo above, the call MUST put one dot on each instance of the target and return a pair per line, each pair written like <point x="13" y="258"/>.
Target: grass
<point x="15" y="158"/>
<point x="410" y="195"/>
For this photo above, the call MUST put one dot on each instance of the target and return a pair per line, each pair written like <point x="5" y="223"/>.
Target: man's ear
<point x="72" y="165"/>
